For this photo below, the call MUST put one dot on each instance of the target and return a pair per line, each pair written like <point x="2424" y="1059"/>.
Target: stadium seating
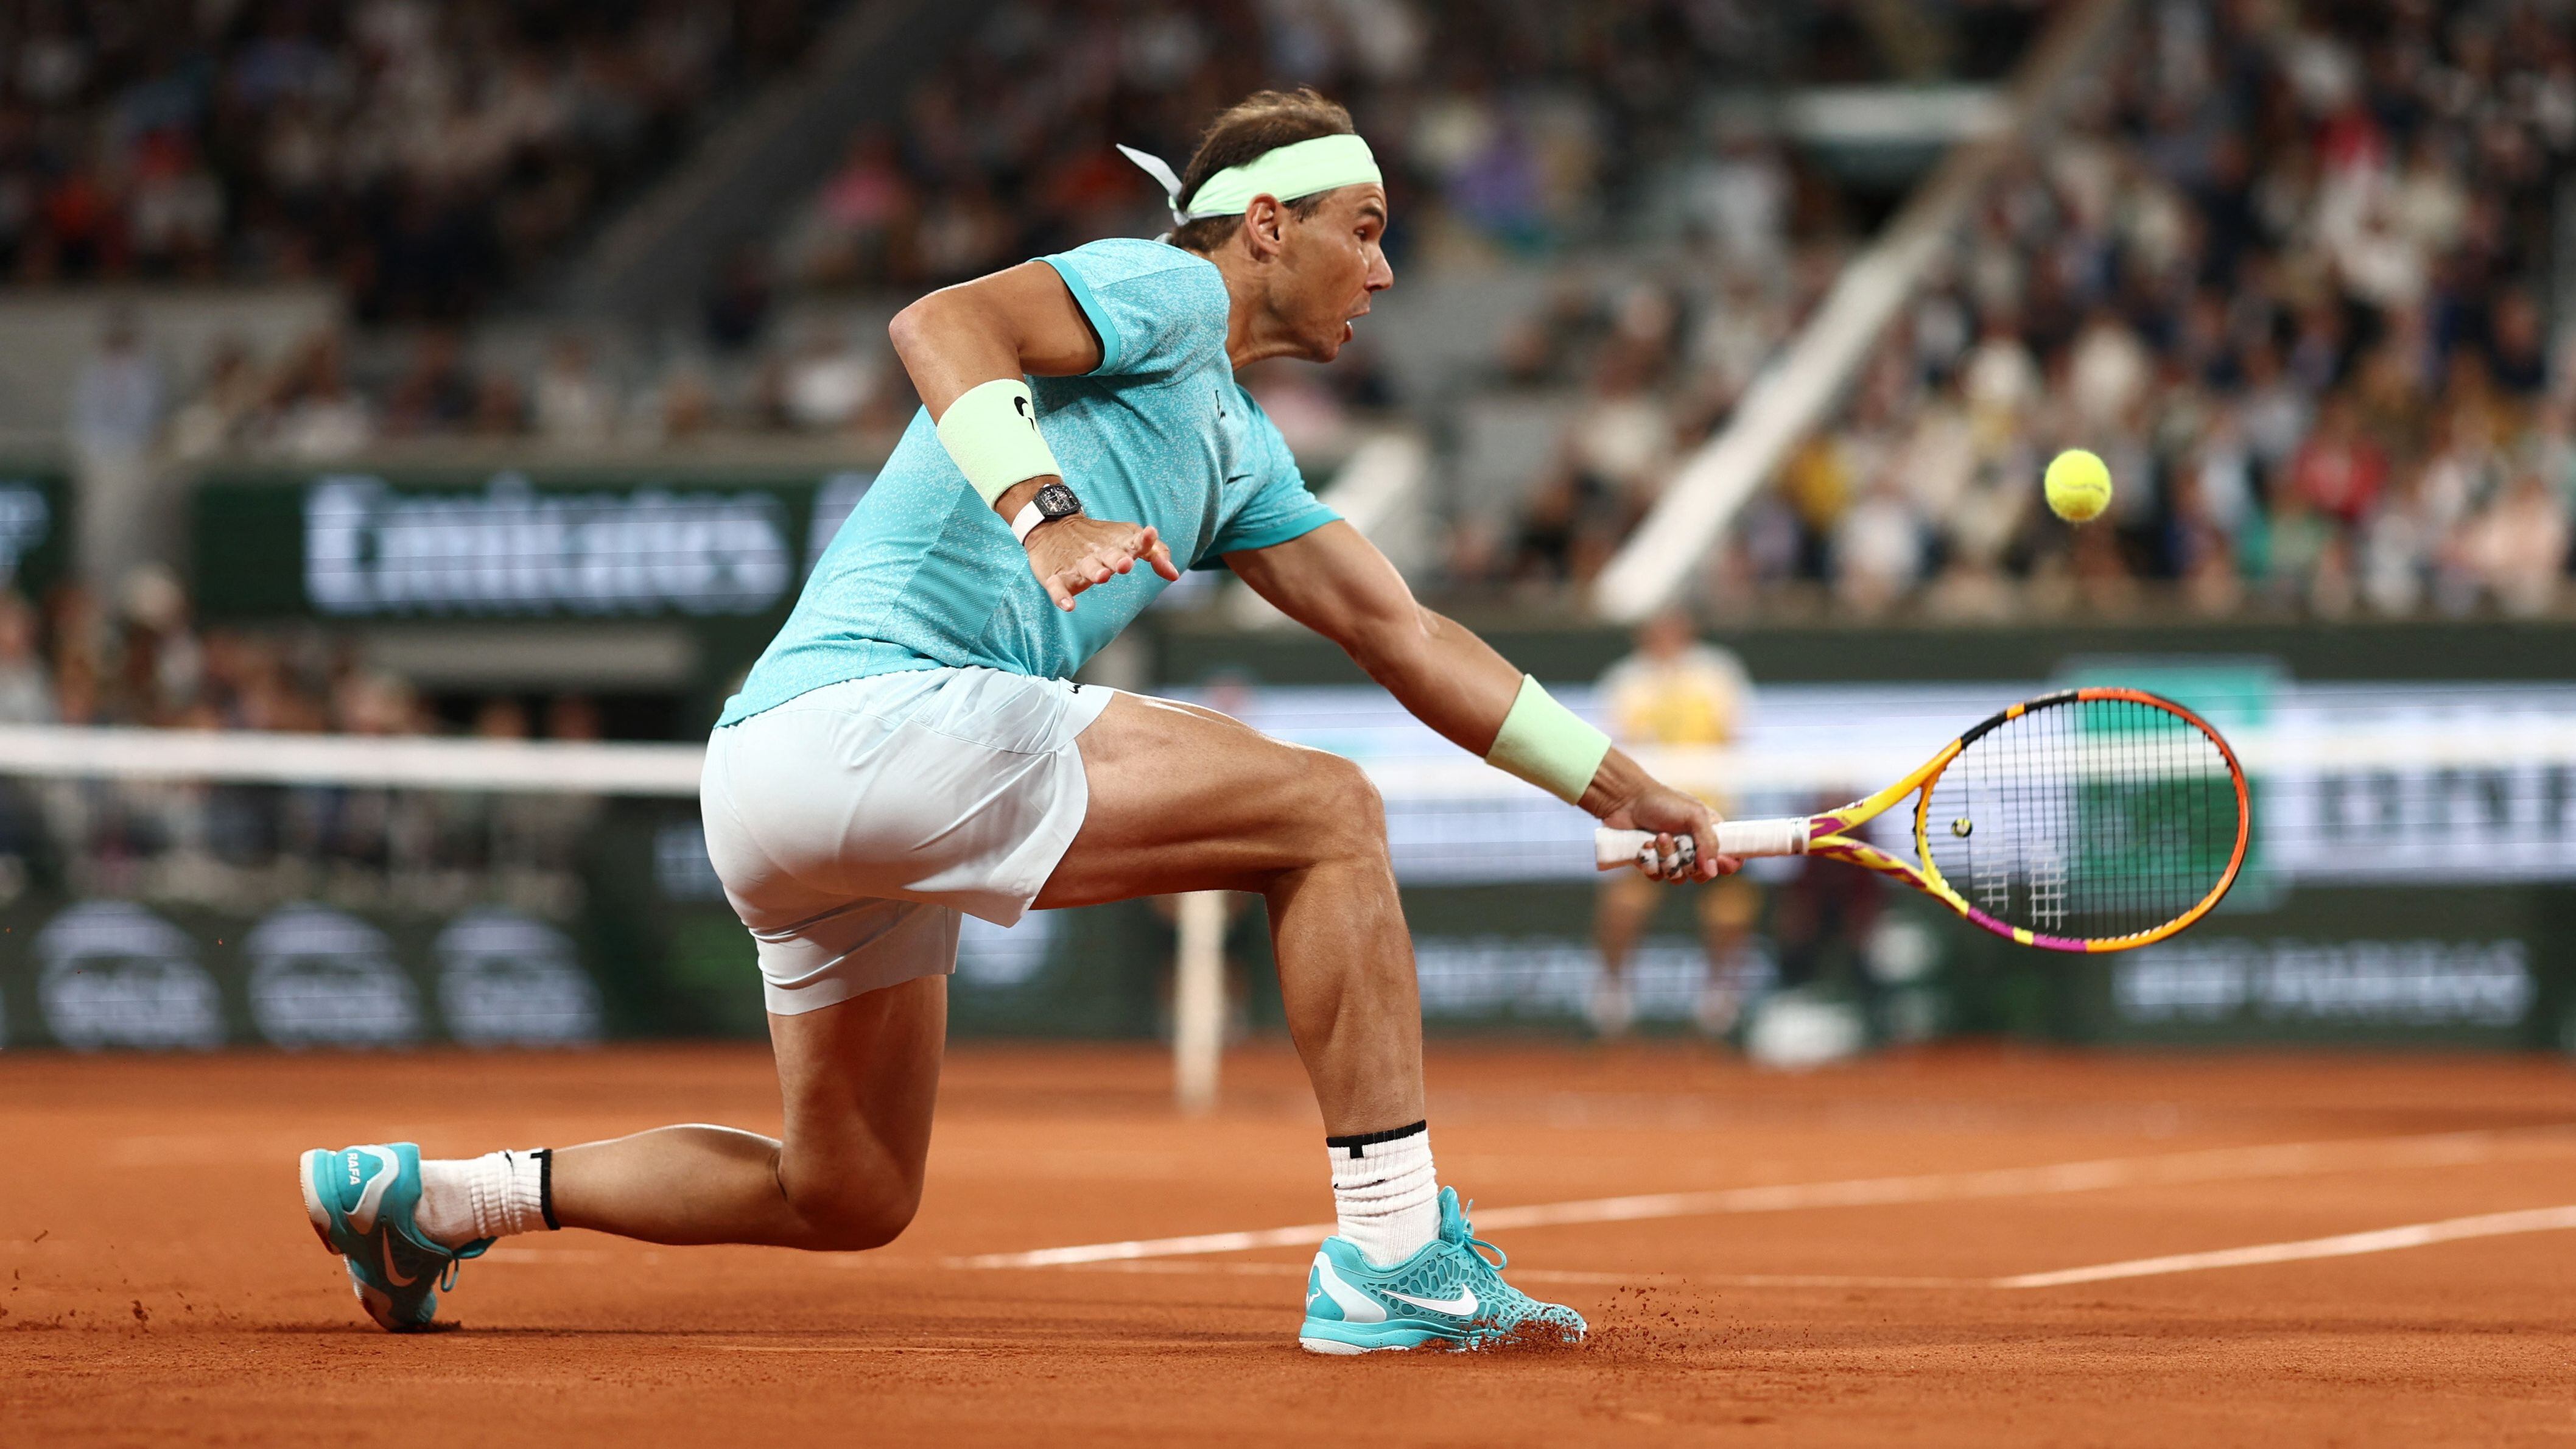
<point x="425" y="155"/>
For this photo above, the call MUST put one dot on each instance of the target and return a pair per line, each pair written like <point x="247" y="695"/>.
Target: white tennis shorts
<point x="852" y="824"/>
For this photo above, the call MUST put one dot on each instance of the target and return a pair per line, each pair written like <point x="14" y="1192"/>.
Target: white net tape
<point x="2453" y="782"/>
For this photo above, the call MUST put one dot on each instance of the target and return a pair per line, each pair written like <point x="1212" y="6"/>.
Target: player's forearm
<point x="1442" y="674"/>
<point x="1458" y="684"/>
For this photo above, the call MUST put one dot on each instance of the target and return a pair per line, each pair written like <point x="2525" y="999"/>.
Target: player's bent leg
<point x="858" y="1079"/>
<point x="1185" y="799"/>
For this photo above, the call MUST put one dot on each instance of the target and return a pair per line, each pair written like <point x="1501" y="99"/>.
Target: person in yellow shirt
<point x="1675" y="692"/>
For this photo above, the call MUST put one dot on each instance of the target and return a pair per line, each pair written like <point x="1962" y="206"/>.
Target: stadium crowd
<point x="2291" y="279"/>
<point x="2288" y="270"/>
<point x="421" y="155"/>
<point x="1506" y="128"/>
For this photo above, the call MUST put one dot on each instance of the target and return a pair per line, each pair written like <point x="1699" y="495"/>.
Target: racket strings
<point x="2088" y="819"/>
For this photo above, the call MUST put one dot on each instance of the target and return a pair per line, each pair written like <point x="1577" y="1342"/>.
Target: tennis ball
<point x="2078" y="486"/>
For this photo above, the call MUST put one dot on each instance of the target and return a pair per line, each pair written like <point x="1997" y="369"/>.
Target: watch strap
<point x="1029" y="518"/>
<point x="1035" y="511"/>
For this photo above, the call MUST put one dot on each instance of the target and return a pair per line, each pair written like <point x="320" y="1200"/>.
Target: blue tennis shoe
<point x="1449" y="1295"/>
<point x="362" y="1201"/>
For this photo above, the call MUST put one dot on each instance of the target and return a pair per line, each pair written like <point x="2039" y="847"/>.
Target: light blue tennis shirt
<point x="925" y="574"/>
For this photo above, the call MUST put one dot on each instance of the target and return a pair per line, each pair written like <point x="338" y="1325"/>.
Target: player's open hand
<point x="1072" y="554"/>
<point x="1672" y="815"/>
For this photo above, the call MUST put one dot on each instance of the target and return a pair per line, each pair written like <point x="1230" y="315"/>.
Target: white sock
<point x="1384" y="1192"/>
<point x="491" y="1196"/>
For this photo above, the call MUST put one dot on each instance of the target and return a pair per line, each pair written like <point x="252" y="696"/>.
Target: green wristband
<point x="992" y="433"/>
<point x="1542" y="742"/>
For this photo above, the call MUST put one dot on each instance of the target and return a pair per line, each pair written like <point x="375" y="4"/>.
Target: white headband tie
<point x="1289" y="173"/>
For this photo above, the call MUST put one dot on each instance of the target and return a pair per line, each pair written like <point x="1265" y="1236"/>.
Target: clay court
<point x="1876" y="1253"/>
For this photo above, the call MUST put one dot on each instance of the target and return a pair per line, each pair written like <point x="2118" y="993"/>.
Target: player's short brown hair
<point x="1261" y="122"/>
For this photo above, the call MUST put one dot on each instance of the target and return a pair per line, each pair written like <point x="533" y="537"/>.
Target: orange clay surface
<point x="161" y="1286"/>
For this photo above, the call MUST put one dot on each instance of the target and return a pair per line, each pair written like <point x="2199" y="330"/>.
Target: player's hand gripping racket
<point x="2088" y="820"/>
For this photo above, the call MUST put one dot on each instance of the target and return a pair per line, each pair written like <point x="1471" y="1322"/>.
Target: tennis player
<point x="911" y="747"/>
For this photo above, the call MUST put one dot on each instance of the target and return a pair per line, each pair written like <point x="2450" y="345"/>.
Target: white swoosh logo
<point x="1462" y="1305"/>
<point x="1357" y="1307"/>
<point x="394" y="1275"/>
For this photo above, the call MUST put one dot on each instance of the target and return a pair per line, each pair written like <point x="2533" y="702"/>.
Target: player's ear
<point x="1265" y="223"/>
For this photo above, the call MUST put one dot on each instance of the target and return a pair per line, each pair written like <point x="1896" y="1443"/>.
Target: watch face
<point x="1057" y="501"/>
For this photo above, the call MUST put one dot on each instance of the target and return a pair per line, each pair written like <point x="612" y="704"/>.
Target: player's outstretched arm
<point x="1338" y="584"/>
<point x="959" y="341"/>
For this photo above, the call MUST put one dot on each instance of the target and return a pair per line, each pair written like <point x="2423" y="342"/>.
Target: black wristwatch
<point x="1052" y="502"/>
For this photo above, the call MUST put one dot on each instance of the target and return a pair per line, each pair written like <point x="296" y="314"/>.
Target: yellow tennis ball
<point x="2078" y="485"/>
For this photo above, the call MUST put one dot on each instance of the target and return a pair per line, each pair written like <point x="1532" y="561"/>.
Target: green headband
<point x="1288" y="173"/>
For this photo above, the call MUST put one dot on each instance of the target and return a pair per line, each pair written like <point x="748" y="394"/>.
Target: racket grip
<point x="1762" y="837"/>
<point x="1612" y="849"/>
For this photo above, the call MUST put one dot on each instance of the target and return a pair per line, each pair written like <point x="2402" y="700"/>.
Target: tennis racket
<point x="2087" y="820"/>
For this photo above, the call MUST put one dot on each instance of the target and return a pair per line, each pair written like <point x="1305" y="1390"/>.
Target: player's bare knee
<point x="1343" y="816"/>
<point x="854" y="1216"/>
<point x="853" y="1222"/>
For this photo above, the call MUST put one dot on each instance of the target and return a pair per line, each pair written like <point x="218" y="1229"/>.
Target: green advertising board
<point x="618" y="929"/>
<point x="361" y="545"/>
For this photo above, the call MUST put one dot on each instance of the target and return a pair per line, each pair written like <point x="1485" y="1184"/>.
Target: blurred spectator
<point x="1877" y="550"/>
<point x="682" y="408"/>
<point x="117" y="400"/>
<point x="1674" y="693"/>
<point x="826" y="382"/>
<point x="316" y="414"/>
<point x="573" y="403"/>
<point x="219" y="415"/>
<point x="438" y="393"/>
<point x="572" y="717"/>
<point x="116" y="415"/>
<point x="501" y="718"/>
<point x="26" y="695"/>
<point x="738" y="306"/>
<point x="2516" y="550"/>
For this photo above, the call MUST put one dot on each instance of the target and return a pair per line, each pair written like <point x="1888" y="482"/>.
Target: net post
<point x="1198" y="1001"/>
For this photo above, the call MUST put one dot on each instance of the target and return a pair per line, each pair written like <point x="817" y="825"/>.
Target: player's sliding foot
<point x="363" y="1202"/>
<point x="1448" y="1295"/>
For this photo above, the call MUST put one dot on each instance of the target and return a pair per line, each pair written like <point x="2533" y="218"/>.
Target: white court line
<point x="2342" y="1245"/>
<point x="2288" y="1159"/>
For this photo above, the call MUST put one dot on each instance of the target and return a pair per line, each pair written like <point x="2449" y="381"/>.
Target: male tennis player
<point x="911" y="747"/>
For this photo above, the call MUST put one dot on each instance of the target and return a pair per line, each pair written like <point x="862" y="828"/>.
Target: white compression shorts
<point x="852" y="824"/>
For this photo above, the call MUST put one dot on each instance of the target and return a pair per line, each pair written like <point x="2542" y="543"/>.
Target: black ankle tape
<point x="546" y="1186"/>
<point x="1371" y="1139"/>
